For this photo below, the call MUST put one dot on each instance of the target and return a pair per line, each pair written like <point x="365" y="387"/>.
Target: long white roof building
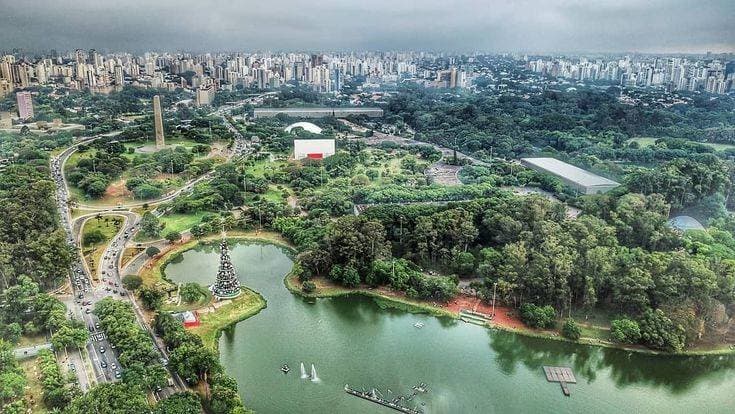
<point x="581" y="180"/>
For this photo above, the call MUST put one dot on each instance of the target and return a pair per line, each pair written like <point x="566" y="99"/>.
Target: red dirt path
<point x="502" y="317"/>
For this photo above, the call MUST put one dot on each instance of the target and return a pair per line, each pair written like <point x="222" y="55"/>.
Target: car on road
<point x="102" y="349"/>
<point x="118" y="374"/>
<point x="103" y="364"/>
<point x="113" y="366"/>
<point x="87" y="311"/>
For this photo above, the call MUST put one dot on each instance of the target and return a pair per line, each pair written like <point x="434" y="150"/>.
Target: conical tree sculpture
<point x="227" y="285"/>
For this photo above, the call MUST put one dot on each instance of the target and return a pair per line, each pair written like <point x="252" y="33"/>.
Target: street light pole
<point x="495" y="285"/>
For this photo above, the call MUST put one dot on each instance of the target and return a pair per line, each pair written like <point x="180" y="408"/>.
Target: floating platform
<point x="372" y="397"/>
<point x="559" y="374"/>
<point x="562" y="375"/>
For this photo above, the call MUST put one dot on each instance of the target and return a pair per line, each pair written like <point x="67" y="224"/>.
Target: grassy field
<point x="645" y="142"/>
<point x="34" y="388"/>
<point x="242" y="307"/>
<point x="174" y="222"/>
<point x="261" y="167"/>
<point x="181" y="222"/>
<point x="128" y="255"/>
<point x="27" y="340"/>
<point x="109" y="226"/>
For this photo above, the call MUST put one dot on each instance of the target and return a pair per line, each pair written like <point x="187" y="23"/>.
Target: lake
<point x="468" y="369"/>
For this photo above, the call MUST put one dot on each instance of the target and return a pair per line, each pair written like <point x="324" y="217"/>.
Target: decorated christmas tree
<point x="227" y="285"/>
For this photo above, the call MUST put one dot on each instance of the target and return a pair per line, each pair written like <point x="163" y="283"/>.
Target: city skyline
<point x="526" y="26"/>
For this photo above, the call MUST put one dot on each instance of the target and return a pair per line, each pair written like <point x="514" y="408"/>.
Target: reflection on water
<point x="469" y="369"/>
<point x="676" y="374"/>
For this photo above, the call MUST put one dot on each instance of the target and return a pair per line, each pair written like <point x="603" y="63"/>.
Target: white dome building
<point x="307" y="126"/>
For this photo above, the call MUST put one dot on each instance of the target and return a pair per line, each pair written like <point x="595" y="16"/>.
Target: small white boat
<point x="418" y="325"/>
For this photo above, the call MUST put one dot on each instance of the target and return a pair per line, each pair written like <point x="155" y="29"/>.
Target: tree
<point x="152" y="251"/>
<point x="11" y="332"/>
<point x="659" y="332"/>
<point x="571" y="330"/>
<point x="179" y="403"/>
<point x="58" y="390"/>
<point x="68" y="336"/>
<point x="191" y="292"/>
<point x="625" y="331"/>
<point x="151" y="297"/>
<point x="11" y="385"/>
<point x="150" y="225"/>
<point x="93" y="237"/>
<point x="538" y="317"/>
<point x="132" y="282"/>
<point x="224" y="398"/>
<point x="193" y="362"/>
<point x="464" y="263"/>
<point x="173" y="236"/>
<point x="111" y="398"/>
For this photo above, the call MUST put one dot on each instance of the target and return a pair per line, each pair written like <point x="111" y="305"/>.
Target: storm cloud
<point x="448" y="25"/>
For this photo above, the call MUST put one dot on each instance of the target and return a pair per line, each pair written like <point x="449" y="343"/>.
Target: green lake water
<point x="468" y="369"/>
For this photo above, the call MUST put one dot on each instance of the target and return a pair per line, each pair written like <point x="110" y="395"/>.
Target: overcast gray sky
<point x="451" y="25"/>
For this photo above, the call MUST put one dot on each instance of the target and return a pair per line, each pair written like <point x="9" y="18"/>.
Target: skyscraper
<point x="158" y="122"/>
<point x="25" y="105"/>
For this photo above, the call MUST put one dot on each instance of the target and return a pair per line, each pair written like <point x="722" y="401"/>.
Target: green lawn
<point x="109" y="226"/>
<point x="181" y="222"/>
<point x="274" y="194"/>
<point x="719" y="147"/>
<point x="260" y="167"/>
<point x="645" y="142"/>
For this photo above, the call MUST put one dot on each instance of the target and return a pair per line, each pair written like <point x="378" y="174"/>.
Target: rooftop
<point x="570" y="172"/>
<point x="307" y="126"/>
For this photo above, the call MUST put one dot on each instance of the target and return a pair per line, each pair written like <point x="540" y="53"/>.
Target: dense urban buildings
<point x="315" y="112"/>
<point x="706" y="74"/>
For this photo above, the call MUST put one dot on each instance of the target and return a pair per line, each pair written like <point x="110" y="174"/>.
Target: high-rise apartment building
<point x="25" y="105"/>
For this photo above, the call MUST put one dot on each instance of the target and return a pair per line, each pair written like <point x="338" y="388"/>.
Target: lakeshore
<point x="373" y="342"/>
<point x="211" y="326"/>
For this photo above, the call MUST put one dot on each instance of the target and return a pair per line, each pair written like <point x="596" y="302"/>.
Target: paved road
<point x="98" y="352"/>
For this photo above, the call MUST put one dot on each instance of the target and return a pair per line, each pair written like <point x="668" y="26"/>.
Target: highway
<point x="87" y="290"/>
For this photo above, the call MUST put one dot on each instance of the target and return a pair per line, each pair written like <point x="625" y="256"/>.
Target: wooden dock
<point x="372" y="397"/>
<point x="562" y="375"/>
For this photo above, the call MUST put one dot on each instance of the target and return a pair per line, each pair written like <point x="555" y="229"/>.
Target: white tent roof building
<point x="581" y="180"/>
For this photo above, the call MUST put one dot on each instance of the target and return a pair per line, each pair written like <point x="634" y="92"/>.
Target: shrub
<point x="659" y="332"/>
<point x="538" y="317"/>
<point x="132" y="282"/>
<point x="571" y="330"/>
<point x="625" y="331"/>
<point x="152" y="251"/>
<point x="308" y="286"/>
<point x="93" y="237"/>
<point x="191" y="292"/>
